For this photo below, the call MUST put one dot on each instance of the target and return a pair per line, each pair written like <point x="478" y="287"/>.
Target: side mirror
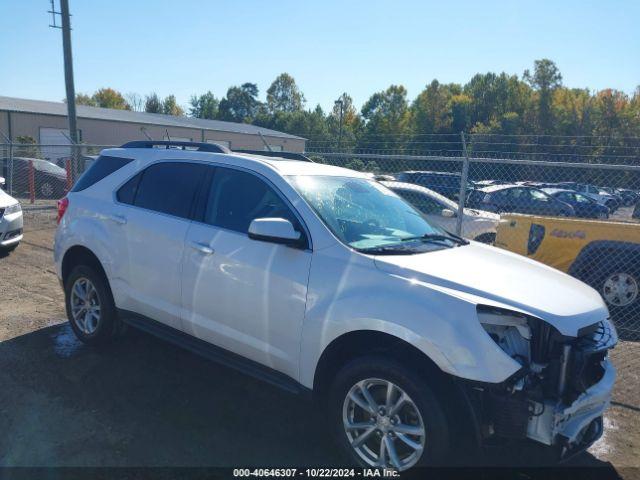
<point x="275" y="230"/>
<point x="448" y="213"/>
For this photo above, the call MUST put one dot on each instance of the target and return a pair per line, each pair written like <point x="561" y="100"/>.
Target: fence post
<point x="32" y="182"/>
<point x="10" y="170"/>
<point x="463" y="186"/>
<point x="69" y="174"/>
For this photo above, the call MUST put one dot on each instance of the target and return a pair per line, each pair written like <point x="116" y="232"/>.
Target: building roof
<point x="59" y="108"/>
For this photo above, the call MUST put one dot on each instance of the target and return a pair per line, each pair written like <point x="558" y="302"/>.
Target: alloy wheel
<point x="85" y="305"/>
<point x="383" y="424"/>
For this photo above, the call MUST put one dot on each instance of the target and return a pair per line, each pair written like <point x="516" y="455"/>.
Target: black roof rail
<point x="266" y="153"/>
<point x="197" y="146"/>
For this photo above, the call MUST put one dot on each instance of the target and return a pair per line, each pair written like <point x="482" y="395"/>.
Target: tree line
<point x="489" y="105"/>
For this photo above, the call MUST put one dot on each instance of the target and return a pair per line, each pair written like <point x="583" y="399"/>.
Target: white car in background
<point x="10" y="221"/>
<point x="476" y="224"/>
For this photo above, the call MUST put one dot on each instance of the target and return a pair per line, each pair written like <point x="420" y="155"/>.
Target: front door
<point x="245" y="295"/>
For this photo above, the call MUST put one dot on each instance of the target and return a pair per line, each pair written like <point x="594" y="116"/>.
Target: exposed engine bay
<point x="559" y="395"/>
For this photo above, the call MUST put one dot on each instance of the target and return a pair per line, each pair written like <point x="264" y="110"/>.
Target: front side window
<point x="169" y="188"/>
<point x="237" y="198"/>
<point x="366" y="215"/>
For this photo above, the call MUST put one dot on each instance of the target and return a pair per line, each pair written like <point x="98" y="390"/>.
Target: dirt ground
<point x="142" y="402"/>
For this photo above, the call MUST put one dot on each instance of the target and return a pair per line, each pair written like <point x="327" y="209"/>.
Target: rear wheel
<point x="385" y="415"/>
<point x="90" y="307"/>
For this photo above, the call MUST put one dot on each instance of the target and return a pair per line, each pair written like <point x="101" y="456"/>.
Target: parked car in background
<point x="636" y="211"/>
<point x="519" y="199"/>
<point x="445" y="183"/>
<point x="629" y="197"/>
<point x="320" y="280"/>
<point x="593" y="192"/>
<point x="50" y="181"/>
<point x="603" y="254"/>
<point x="583" y="206"/>
<point x="10" y="221"/>
<point x="438" y="209"/>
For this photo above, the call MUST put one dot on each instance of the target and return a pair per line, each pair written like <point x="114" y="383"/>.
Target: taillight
<point x="63" y="203"/>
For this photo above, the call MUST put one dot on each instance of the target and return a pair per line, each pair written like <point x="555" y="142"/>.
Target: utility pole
<point x="341" y="103"/>
<point x="68" y="64"/>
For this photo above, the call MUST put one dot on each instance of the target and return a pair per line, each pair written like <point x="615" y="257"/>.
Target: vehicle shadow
<point x="143" y="402"/>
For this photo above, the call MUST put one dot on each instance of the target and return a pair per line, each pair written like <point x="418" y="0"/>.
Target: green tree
<point x="152" y="103"/>
<point x="284" y="95"/>
<point x="84" y="99"/>
<point x="170" y="107"/>
<point x="204" y="106"/>
<point x="545" y="79"/>
<point x="241" y="104"/>
<point x="110" y="98"/>
<point x="386" y="119"/>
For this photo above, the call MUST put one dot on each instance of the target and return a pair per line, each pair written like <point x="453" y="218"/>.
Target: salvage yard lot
<point x="142" y="402"/>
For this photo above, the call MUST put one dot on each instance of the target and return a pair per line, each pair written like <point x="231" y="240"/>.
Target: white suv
<point x="318" y="279"/>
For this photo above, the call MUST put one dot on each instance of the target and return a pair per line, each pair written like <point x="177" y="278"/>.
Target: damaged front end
<point x="560" y="393"/>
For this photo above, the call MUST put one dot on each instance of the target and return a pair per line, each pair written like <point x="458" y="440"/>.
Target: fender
<point x="89" y="233"/>
<point x="442" y="326"/>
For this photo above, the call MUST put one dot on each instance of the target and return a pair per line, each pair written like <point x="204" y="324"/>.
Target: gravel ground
<point x="142" y="402"/>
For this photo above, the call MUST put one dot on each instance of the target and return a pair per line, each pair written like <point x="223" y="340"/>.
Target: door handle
<point x="202" y="248"/>
<point x="119" y="219"/>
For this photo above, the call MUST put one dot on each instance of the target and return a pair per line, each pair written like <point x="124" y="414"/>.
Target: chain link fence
<point x="572" y="203"/>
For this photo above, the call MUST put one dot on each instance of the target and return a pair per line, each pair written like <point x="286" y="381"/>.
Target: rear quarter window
<point x="101" y="168"/>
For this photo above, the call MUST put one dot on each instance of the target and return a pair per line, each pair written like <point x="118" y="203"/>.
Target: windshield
<point x="366" y="215"/>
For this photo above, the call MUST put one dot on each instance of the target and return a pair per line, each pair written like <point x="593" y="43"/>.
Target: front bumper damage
<point x="576" y="426"/>
<point x="557" y="399"/>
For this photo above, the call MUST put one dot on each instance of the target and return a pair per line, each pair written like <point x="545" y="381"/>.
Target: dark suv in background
<point x="518" y="199"/>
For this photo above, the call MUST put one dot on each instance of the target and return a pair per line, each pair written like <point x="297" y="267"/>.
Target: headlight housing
<point x="510" y="330"/>
<point x="15" y="208"/>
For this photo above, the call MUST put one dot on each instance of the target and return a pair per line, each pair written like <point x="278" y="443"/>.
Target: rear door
<point x="151" y="220"/>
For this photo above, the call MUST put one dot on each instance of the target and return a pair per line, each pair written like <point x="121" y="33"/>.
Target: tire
<point x="618" y="282"/>
<point x="89" y="329"/>
<point x="8" y="250"/>
<point x="489" y="238"/>
<point x="374" y="373"/>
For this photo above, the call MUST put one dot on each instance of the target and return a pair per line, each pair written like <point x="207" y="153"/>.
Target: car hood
<point x="491" y="276"/>
<point x="6" y="200"/>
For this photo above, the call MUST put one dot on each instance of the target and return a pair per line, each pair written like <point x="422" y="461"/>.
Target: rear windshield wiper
<point x="437" y="237"/>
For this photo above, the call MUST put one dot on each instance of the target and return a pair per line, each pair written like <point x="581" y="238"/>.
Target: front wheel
<point x="385" y="415"/>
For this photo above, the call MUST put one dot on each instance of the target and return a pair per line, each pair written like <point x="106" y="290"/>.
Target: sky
<point x="329" y="46"/>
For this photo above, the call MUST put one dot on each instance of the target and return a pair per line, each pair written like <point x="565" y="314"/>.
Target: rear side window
<point x="101" y="168"/>
<point x="168" y="188"/>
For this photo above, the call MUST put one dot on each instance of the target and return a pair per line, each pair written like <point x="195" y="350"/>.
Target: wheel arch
<point x="354" y="344"/>
<point x="81" y="255"/>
